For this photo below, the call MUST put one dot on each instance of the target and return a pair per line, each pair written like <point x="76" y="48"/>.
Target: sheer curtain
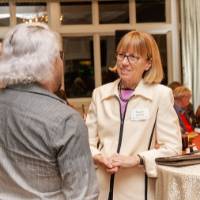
<point x="190" y="34"/>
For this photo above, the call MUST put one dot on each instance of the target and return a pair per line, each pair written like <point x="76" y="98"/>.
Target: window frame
<point x="171" y="28"/>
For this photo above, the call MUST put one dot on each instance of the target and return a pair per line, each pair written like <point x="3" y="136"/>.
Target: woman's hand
<point x="125" y="161"/>
<point x="106" y="162"/>
<point x="100" y="159"/>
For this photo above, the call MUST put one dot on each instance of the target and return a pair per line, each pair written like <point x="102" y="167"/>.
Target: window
<point x="78" y="66"/>
<point x="4" y="14"/>
<point x="108" y="59"/>
<point x="150" y="11"/>
<point x="112" y="12"/>
<point x="76" y="13"/>
<point x="31" y="12"/>
<point x="161" y="41"/>
<point x="89" y="31"/>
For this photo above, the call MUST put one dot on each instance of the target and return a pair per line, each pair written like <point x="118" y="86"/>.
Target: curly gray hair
<point x="28" y="54"/>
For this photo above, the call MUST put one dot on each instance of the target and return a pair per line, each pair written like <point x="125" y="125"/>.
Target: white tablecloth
<point x="178" y="183"/>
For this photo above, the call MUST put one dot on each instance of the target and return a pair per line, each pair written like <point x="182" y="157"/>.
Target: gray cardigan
<point x="44" y="151"/>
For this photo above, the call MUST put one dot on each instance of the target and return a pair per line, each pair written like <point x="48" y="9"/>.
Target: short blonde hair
<point x="182" y="91"/>
<point x="144" y="45"/>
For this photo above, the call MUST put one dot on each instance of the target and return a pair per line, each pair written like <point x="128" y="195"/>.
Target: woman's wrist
<point x="97" y="158"/>
<point x="140" y="160"/>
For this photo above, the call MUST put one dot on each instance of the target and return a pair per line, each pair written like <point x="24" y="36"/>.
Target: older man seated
<point x="182" y="96"/>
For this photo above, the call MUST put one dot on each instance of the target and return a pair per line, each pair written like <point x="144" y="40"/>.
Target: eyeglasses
<point x="131" y="58"/>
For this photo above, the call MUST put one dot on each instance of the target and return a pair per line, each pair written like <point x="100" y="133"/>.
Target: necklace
<point x="125" y="93"/>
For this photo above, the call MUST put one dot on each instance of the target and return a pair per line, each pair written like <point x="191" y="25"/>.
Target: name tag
<point x="139" y="114"/>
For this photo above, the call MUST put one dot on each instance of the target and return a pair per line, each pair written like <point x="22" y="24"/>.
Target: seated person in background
<point x="189" y="109"/>
<point x="182" y="97"/>
<point x="174" y="84"/>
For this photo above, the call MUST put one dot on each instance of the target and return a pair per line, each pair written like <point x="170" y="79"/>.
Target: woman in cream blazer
<point x="125" y="114"/>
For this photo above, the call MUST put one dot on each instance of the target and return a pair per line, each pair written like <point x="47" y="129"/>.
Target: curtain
<point x="190" y="35"/>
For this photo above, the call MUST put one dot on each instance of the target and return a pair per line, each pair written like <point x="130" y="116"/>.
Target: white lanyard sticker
<point x="139" y="114"/>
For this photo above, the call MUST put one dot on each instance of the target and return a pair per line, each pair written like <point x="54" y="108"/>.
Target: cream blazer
<point x="150" y="104"/>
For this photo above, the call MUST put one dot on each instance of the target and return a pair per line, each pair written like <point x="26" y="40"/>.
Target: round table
<point x="178" y="183"/>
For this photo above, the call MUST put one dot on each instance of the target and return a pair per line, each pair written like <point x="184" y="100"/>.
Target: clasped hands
<point x="116" y="161"/>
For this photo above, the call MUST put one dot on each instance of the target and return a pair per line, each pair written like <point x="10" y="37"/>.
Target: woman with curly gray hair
<point x="43" y="142"/>
<point x="29" y="54"/>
